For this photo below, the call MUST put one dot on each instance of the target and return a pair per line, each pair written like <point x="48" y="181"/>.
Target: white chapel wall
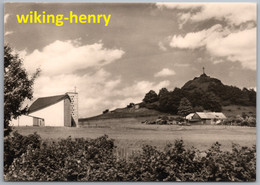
<point x="53" y="115"/>
<point x="22" y="121"/>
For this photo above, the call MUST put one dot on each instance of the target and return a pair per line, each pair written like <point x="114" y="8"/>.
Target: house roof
<point x="43" y="102"/>
<point x="189" y="116"/>
<point x="211" y="115"/>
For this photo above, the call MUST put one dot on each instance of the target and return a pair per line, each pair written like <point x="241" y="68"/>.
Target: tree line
<point x="183" y="101"/>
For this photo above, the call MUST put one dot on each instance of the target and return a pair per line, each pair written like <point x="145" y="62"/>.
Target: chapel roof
<point x="44" y="102"/>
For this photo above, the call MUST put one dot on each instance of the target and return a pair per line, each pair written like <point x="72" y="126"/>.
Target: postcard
<point x="130" y="92"/>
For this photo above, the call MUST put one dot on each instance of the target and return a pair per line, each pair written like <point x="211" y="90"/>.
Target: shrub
<point x="66" y="160"/>
<point x="94" y="160"/>
<point x="15" y="145"/>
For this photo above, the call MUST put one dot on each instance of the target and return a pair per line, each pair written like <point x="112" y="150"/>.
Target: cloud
<point x="94" y="89"/>
<point x="232" y="13"/>
<point x="195" y="39"/>
<point x="8" y="33"/>
<point x="220" y="42"/>
<point x="229" y="12"/>
<point x="136" y="92"/>
<point x="235" y="39"/>
<point x="5" y="18"/>
<point x="239" y="46"/>
<point x="183" y="6"/>
<point x="218" y="61"/>
<point x="64" y="57"/>
<point x="139" y="89"/>
<point x="165" y="72"/>
<point x="59" y="63"/>
<point x="98" y="89"/>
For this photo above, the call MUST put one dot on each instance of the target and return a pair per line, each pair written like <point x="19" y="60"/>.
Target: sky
<point x="146" y="46"/>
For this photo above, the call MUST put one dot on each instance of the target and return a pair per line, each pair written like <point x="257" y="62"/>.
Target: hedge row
<point x="28" y="158"/>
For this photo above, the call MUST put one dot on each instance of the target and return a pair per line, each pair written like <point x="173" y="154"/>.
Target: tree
<point x="198" y="109"/>
<point x="163" y="92"/>
<point x="18" y="86"/>
<point x="150" y="97"/>
<point x="185" y="107"/>
<point x="169" y="102"/>
<point x="211" y="102"/>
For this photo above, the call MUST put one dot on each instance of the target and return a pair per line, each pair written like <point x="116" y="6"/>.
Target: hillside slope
<point x="126" y="113"/>
<point x="203" y="92"/>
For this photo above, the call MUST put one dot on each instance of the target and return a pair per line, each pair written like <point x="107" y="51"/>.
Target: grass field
<point x="131" y="135"/>
<point x="234" y="110"/>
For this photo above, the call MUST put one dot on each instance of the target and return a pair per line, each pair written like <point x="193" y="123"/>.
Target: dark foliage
<point x="233" y="95"/>
<point x="185" y="107"/>
<point x="204" y="93"/>
<point x="18" y="86"/>
<point x="150" y="97"/>
<point x="16" y="144"/>
<point x="94" y="160"/>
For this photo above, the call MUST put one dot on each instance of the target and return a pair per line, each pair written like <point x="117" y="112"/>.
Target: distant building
<point x="189" y="116"/>
<point x="137" y="106"/>
<point x="61" y="110"/>
<point x="206" y="117"/>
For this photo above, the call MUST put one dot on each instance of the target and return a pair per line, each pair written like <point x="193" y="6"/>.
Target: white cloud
<point x="232" y="13"/>
<point x="165" y="72"/>
<point x="8" y="33"/>
<point x="5" y="21"/>
<point x="196" y="39"/>
<point x="236" y="40"/>
<point x="64" y="57"/>
<point x="136" y="92"/>
<point x="94" y="89"/>
<point x="239" y="46"/>
<point x="139" y="89"/>
<point x="98" y="89"/>
<point x="217" y="61"/>
<point x="236" y="46"/>
<point x="229" y="12"/>
<point x="6" y="17"/>
<point x="59" y="62"/>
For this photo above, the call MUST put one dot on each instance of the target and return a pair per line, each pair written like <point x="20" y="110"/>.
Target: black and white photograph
<point x="129" y="92"/>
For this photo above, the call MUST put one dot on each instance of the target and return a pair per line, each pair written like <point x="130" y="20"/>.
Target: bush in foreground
<point x="94" y="160"/>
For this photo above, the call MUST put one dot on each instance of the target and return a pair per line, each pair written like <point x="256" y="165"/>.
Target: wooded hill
<point x="203" y="93"/>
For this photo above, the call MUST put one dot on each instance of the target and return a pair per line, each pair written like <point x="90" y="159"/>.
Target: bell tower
<point x="74" y="107"/>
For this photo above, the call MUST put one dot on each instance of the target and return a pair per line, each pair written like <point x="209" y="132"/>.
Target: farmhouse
<point x="60" y="110"/>
<point x="206" y="117"/>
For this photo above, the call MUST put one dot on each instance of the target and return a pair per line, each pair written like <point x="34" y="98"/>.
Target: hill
<point x="227" y="95"/>
<point x="203" y="93"/>
<point x="126" y="113"/>
<point x="203" y="83"/>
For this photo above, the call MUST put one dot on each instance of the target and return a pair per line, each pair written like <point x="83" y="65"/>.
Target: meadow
<point x="130" y="135"/>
